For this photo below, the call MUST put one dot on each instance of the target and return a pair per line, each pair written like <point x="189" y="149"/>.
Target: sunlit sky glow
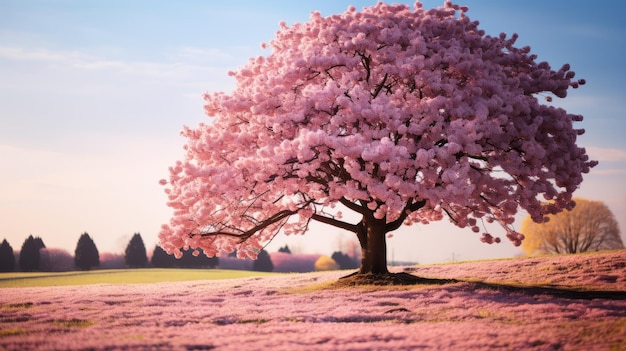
<point x="94" y="94"/>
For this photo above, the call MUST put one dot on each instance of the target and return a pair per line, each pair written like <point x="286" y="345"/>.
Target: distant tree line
<point x="34" y="256"/>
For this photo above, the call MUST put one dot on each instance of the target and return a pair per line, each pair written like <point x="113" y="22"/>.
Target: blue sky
<point x="93" y="95"/>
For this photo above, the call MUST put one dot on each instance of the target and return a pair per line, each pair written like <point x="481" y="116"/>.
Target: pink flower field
<point x="547" y="303"/>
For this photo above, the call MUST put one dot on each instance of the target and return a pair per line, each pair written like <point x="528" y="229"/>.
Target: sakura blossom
<point x="398" y="115"/>
<point x="573" y="302"/>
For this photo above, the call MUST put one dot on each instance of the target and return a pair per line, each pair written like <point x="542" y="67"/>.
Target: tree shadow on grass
<point x="389" y="279"/>
<point x="561" y="292"/>
<point x="406" y="279"/>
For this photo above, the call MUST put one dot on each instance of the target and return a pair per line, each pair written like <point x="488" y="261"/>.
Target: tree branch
<point x="380" y="86"/>
<point x="410" y="207"/>
<point x="351" y="205"/>
<point x="245" y="235"/>
<point x="335" y="223"/>
<point x="365" y="60"/>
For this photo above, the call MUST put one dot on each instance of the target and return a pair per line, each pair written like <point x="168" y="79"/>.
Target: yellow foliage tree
<point x="325" y="263"/>
<point x="589" y="226"/>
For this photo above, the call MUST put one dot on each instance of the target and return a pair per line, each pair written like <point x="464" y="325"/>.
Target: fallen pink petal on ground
<point x="300" y="311"/>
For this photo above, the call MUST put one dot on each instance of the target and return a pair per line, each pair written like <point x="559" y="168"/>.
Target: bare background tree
<point x="590" y="226"/>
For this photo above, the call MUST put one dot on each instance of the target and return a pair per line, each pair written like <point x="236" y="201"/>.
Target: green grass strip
<point x="119" y="276"/>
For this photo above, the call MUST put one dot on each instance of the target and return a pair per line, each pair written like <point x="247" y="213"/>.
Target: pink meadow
<point x="304" y="312"/>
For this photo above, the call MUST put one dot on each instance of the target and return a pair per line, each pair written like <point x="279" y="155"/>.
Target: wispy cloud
<point x="204" y="55"/>
<point x="184" y="73"/>
<point x="603" y="154"/>
<point x="609" y="172"/>
<point x="187" y="62"/>
<point x="21" y="54"/>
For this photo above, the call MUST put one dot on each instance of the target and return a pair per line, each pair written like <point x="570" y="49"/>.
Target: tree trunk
<point x="372" y="237"/>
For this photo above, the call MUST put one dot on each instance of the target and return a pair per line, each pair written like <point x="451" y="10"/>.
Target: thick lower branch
<point x="335" y="223"/>
<point x="351" y="205"/>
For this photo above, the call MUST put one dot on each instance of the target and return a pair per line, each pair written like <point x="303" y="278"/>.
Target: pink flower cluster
<point x="377" y="110"/>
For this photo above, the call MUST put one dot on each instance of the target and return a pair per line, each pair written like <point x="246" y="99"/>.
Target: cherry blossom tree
<point x="395" y="114"/>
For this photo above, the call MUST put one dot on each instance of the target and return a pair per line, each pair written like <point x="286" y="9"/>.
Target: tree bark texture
<point x="372" y="238"/>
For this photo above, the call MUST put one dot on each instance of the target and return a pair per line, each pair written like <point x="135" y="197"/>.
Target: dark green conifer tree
<point x="344" y="261"/>
<point x="263" y="262"/>
<point x="285" y="249"/>
<point x="162" y="259"/>
<point x="7" y="257"/>
<point x="30" y="258"/>
<point x="86" y="255"/>
<point x="135" y="254"/>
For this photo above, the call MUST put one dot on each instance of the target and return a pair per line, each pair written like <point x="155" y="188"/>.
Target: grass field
<point x="309" y="311"/>
<point x="118" y="276"/>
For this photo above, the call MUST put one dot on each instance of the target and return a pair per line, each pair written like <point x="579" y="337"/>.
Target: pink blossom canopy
<point x="377" y="110"/>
